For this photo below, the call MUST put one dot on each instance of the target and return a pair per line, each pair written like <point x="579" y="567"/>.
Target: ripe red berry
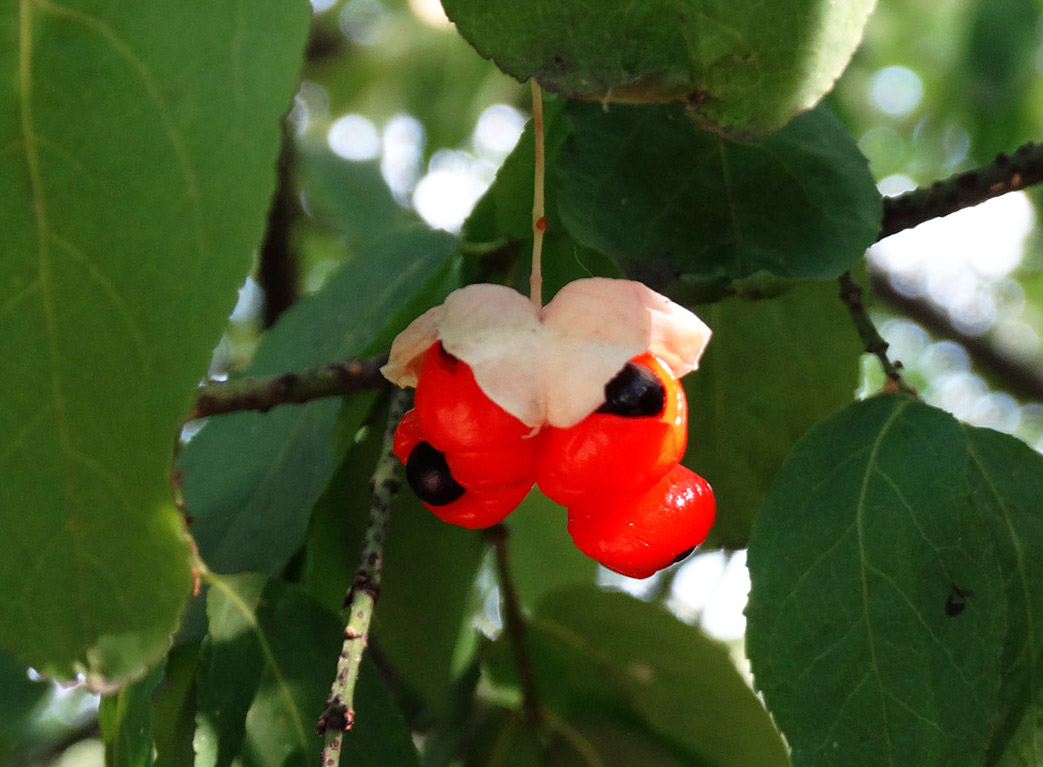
<point x="469" y="461"/>
<point x="481" y="508"/>
<point x="638" y="535"/>
<point x="627" y="445"/>
<point x="454" y="412"/>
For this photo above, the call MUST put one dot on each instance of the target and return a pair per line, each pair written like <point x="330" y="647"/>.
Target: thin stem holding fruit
<point x="539" y="220"/>
<point x="339" y="713"/>
<point x="852" y="295"/>
<point x="514" y="623"/>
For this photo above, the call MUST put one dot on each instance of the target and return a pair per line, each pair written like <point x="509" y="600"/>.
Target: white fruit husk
<point x="550" y="365"/>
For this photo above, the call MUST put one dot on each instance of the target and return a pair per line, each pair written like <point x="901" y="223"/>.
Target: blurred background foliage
<point x="398" y="120"/>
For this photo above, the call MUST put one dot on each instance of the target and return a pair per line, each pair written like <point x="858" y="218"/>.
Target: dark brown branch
<point x="277" y="262"/>
<point x="514" y="623"/>
<point x="852" y="295"/>
<point x="1007" y="173"/>
<point x="1020" y="379"/>
<point x="333" y="380"/>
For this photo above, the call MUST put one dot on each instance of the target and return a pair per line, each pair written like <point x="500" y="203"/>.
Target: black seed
<point x="683" y="555"/>
<point x="634" y="392"/>
<point x="428" y="474"/>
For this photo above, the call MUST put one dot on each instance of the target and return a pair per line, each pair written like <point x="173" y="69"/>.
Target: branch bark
<point x="1007" y="173"/>
<point x="333" y="380"/>
<point x="339" y="714"/>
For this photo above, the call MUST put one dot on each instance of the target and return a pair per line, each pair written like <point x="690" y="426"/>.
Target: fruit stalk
<point x="539" y="221"/>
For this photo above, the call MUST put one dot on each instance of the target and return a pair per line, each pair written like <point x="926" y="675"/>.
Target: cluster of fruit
<point x="631" y="505"/>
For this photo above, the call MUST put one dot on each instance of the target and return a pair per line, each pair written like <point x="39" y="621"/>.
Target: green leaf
<point x="504" y="738"/>
<point x="614" y="743"/>
<point x="673" y="203"/>
<point x="249" y="479"/>
<point x="174" y="708"/>
<point x="998" y="77"/>
<point x="136" y="162"/>
<point x="419" y="632"/>
<point x="1005" y="478"/>
<point x="126" y="722"/>
<point x="542" y="554"/>
<point x="265" y="671"/>
<point x="877" y="612"/>
<point x="773" y="370"/>
<point x="745" y="65"/>
<point x="351" y="198"/>
<point x="596" y="652"/>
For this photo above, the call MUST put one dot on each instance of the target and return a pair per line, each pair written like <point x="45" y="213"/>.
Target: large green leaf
<point x="250" y="478"/>
<point x="1005" y="478"/>
<point x="542" y="555"/>
<point x="773" y="370"/>
<point x="136" y="162"/>
<point x="265" y="672"/>
<point x="423" y="557"/>
<point x="602" y="653"/>
<point x="883" y="590"/>
<point x="675" y="204"/>
<point x="741" y="64"/>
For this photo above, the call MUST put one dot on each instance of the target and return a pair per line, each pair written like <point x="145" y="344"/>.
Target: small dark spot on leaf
<point x="957" y="600"/>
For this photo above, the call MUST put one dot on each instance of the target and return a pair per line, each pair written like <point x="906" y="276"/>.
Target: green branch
<point x="852" y="295"/>
<point x="339" y="715"/>
<point x="1007" y="173"/>
<point x="333" y="380"/>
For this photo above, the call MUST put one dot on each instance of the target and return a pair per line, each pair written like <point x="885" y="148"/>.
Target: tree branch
<point x="514" y="623"/>
<point x="339" y="715"/>
<point x="333" y="380"/>
<point x="1021" y="379"/>
<point x="277" y="268"/>
<point x="852" y="296"/>
<point x="1007" y="173"/>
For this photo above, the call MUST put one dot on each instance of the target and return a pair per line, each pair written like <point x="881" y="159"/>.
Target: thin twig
<point x="1023" y="379"/>
<point x="514" y="622"/>
<point x="339" y="714"/>
<point x="852" y="296"/>
<point x="539" y="220"/>
<point x="1007" y="173"/>
<point x="333" y="380"/>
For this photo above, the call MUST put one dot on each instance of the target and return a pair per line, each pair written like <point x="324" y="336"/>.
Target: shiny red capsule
<point x="626" y="446"/>
<point x="638" y="535"/>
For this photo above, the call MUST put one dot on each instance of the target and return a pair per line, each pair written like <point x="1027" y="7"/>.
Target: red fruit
<point x="621" y="451"/>
<point x="407" y="434"/>
<point x="481" y="508"/>
<point x="454" y="412"/>
<point x="469" y="461"/>
<point x="640" y="534"/>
